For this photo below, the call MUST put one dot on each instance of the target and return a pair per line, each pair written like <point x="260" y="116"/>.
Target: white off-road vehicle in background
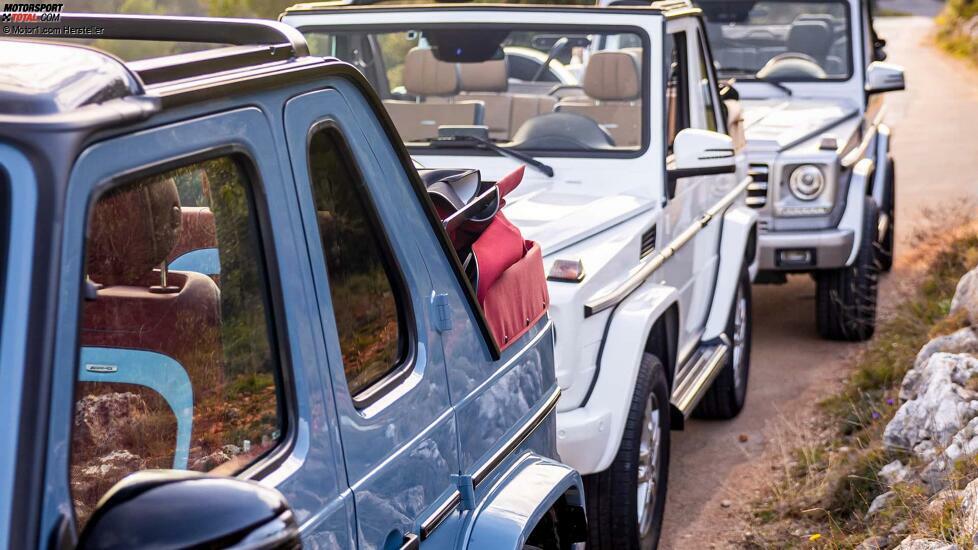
<point x="633" y="187"/>
<point x="809" y="76"/>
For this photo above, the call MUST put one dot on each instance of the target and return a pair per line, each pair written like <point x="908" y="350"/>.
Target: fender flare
<point x="883" y="136"/>
<point x="739" y="226"/>
<point x="620" y="356"/>
<point x="852" y="218"/>
<point x="518" y="500"/>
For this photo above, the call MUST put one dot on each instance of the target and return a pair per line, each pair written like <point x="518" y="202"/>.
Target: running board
<point x="695" y="378"/>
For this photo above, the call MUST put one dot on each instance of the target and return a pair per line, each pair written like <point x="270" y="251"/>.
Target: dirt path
<point x="713" y="472"/>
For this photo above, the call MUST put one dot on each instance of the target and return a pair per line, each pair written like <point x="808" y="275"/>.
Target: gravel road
<point x="713" y="471"/>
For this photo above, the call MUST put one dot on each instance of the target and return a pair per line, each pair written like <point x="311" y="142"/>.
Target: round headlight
<point x="806" y="182"/>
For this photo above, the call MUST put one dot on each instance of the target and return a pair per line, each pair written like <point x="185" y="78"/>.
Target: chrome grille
<point x="757" y="190"/>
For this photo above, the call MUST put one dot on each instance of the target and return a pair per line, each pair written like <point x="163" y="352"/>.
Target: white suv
<point x="634" y="189"/>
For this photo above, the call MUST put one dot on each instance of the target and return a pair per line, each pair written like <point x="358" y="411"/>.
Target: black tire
<point x="889" y="207"/>
<point x="726" y="396"/>
<point x="612" y="495"/>
<point x="845" y="299"/>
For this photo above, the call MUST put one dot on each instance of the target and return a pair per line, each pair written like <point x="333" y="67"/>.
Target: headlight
<point x="806" y="182"/>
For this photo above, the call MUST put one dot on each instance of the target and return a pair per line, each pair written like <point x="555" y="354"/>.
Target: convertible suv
<point x="633" y="188"/>
<point x="810" y="77"/>
<point x="232" y="315"/>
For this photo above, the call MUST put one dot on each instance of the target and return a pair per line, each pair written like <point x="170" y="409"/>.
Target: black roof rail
<point x="170" y="28"/>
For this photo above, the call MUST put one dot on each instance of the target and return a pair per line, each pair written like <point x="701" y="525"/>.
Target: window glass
<point x="706" y="90"/>
<point x="4" y="231"/>
<point x="368" y="316"/>
<point x="783" y="40"/>
<point x="177" y="366"/>
<point x="677" y="104"/>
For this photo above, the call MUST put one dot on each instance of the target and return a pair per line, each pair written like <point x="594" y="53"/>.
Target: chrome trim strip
<point x="655" y="261"/>
<point x="442" y="512"/>
<point x="853" y="156"/>
<point x="517" y="439"/>
<point x="691" y="388"/>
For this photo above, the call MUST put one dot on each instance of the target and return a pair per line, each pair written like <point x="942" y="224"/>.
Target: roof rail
<point x="662" y="5"/>
<point x="206" y="30"/>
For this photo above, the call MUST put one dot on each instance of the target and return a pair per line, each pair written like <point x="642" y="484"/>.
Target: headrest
<point x="424" y="75"/>
<point x="810" y="37"/>
<point x="488" y="76"/>
<point x="612" y="76"/>
<point x="132" y="231"/>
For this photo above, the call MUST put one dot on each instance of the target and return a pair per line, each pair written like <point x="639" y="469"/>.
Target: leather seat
<point x="810" y="37"/>
<point x="488" y="82"/>
<point x="612" y="84"/>
<point x="133" y="230"/>
<point x="435" y="84"/>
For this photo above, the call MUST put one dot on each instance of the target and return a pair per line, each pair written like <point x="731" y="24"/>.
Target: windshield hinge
<point x="466" y="490"/>
<point x="441" y="312"/>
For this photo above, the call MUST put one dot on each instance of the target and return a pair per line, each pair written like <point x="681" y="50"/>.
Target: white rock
<point x="894" y="473"/>
<point x="879" y="503"/>
<point x="926" y="544"/>
<point x="940" y="408"/>
<point x="966" y="296"/>
<point x="964" y="340"/>
<point x="876" y="542"/>
<point x="968" y="514"/>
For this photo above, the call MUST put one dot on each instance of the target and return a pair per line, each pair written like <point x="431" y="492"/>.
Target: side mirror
<point x="184" y="509"/>
<point x="884" y="77"/>
<point x="702" y="153"/>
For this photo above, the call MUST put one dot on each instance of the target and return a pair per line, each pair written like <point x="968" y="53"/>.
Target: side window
<point x="369" y="316"/>
<point x="4" y="231"/>
<point x="677" y="102"/>
<point x="707" y="88"/>
<point x="177" y="367"/>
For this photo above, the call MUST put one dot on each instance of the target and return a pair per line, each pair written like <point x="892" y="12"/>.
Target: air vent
<point x="648" y="243"/>
<point x="757" y="190"/>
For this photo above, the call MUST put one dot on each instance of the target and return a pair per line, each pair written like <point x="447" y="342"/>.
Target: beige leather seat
<point x="488" y="82"/>
<point x="435" y="83"/>
<point x="612" y="84"/>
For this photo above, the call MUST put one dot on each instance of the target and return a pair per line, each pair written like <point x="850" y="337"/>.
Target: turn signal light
<point x="567" y="271"/>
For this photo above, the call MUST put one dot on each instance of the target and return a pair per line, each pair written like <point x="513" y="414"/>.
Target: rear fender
<point x="621" y="353"/>
<point x="519" y="499"/>
<point x="739" y="228"/>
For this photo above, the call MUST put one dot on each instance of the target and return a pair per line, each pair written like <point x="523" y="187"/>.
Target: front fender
<point x="883" y="137"/>
<point x="739" y="225"/>
<point x="588" y="437"/>
<point x="852" y="218"/>
<point x="519" y="499"/>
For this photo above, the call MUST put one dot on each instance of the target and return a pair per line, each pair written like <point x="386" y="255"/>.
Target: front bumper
<point x="830" y="248"/>
<point x="584" y="437"/>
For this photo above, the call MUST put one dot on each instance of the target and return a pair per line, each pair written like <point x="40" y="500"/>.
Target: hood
<point x="782" y="123"/>
<point x="558" y="214"/>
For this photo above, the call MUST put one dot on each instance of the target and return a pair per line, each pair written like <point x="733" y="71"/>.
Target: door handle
<point x="411" y="541"/>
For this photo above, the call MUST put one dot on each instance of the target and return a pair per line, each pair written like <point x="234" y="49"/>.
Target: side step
<point x="695" y="377"/>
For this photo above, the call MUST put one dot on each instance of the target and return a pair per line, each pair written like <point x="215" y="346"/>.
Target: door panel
<point x="400" y="445"/>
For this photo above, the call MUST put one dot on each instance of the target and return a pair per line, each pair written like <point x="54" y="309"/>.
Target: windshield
<point x="779" y="41"/>
<point x="520" y="88"/>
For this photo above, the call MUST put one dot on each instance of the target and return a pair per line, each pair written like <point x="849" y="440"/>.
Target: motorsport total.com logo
<point x="31" y="13"/>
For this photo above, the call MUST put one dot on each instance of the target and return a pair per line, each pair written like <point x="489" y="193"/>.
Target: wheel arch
<point x="738" y="245"/>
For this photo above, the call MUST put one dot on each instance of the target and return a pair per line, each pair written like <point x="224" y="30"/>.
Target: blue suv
<point x="231" y="314"/>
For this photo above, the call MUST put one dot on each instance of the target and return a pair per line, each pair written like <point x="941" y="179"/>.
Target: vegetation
<point x="958" y="28"/>
<point x="828" y="471"/>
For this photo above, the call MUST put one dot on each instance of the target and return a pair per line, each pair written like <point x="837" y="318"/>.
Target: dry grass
<point x="826" y="472"/>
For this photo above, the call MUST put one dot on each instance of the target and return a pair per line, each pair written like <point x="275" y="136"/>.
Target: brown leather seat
<point x="132" y="231"/>
<point x="488" y="82"/>
<point x="612" y="84"/>
<point x="435" y="84"/>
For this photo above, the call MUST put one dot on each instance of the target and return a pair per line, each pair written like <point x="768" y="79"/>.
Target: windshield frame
<point x="854" y="43"/>
<point x="424" y="149"/>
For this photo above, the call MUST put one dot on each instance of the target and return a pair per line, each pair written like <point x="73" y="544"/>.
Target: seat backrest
<point x="488" y="82"/>
<point x="429" y="79"/>
<point x="612" y="84"/>
<point x="810" y="37"/>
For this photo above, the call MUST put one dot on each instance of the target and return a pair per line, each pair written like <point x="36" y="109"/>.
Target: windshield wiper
<point x="776" y="84"/>
<point x="457" y="140"/>
<point x="750" y="76"/>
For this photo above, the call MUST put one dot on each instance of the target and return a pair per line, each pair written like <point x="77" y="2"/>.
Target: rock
<point x="967" y="516"/>
<point x="962" y="341"/>
<point x="966" y="296"/>
<point x="939" y="502"/>
<point x="114" y="466"/>
<point x="843" y="449"/>
<point x="935" y="474"/>
<point x="899" y="528"/>
<point x="879" y="503"/>
<point x="726" y="503"/>
<point x="926" y="544"/>
<point x="101" y="420"/>
<point x="742" y="438"/>
<point x="878" y="542"/>
<point x="941" y="406"/>
<point x="894" y="473"/>
<point x="209" y="462"/>
<point x="231" y="450"/>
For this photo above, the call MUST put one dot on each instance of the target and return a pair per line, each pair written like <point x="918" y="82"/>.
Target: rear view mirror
<point x="884" y="77"/>
<point x="185" y="509"/>
<point x="702" y="153"/>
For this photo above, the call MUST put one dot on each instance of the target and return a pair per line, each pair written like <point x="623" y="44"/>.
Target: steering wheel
<point x="791" y="64"/>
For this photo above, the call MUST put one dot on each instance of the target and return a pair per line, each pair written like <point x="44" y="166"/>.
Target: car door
<point x="385" y="363"/>
<point x="181" y="369"/>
